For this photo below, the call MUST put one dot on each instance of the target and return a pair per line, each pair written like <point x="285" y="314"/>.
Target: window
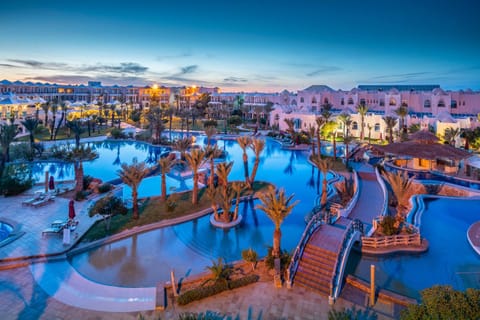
<point x="325" y="101"/>
<point x="441" y="104"/>
<point x="392" y="102"/>
<point x="342" y="102"/>
<point x="350" y="101"/>
<point x="302" y="100"/>
<point x="377" y="127"/>
<point x="453" y="104"/>
<point x="354" y="125"/>
<point x="297" y="123"/>
<point x="314" y="100"/>
<point x="362" y="102"/>
<point x="426" y="104"/>
<point x="382" y="103"/>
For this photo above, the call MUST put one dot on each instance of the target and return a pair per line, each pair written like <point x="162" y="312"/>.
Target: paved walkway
<point x="370" y="201"/>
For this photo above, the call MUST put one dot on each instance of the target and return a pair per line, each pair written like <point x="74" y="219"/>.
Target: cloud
<point x="235" y="79"/>
<point x="322" y="70"/>
<point x="402" y="76"/>
<point x="77" y="79"/>
<point x="122" y="68"/>
<point x="189" y="69"/>
<point x="7" y="65"/>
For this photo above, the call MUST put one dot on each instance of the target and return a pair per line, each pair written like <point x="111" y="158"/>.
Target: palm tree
<point x="450" y="135"/>
<point x="182" y="145"/>
<point x="166" y="164"/>
<point x="277" y="207"/>
<point x="401" y="186"/>
<point x="390" y="122"/>
<point x="311" y="135"/>
<point x="212" y="195"/>
<point x="45" y="107"/>
<point x="212" y="152"/>
<point x="63" y="107"/>
<point x="402" y="112"/>
<point x="468" y="135"/>
<point x="362" y="109"/>
<point x="225" y="194"/>
<point x="237" y="188"/>
<point x="345" y="119"/>
<point x="244" y="142"/>
<point x="132" y="175"/>
<point x="369" y="127"/>
<point x="54" y="109"/>
<point x="112" y="113"/>
<point x="31" y="125"/>
<point x="324" y="165"/>
<point x="291" y="127"/>
<point x="257" y="145"/>
<point x="77" y="129"/>
<point x="210" y="131"/>
<point x="170" y="112"/>
<point x="7" y="134"/>
<point x="196" y="158"/>
<point x="320" y="121"/>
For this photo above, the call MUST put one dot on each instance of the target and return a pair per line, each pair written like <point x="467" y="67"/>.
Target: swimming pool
<point x="147" y="259"/>
<point x="5" y="230"/>
<point x="449" y="260"/>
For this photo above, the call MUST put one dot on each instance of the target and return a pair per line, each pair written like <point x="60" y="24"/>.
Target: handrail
<point x="388" y="241"/>
<point x="353" y="229"/>
<point x="383" y="212"/>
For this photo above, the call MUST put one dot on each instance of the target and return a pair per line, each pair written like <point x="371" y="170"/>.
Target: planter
<point x="223" y="225"/>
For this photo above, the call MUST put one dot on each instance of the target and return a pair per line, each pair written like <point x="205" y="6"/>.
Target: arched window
<point x="302" y="100"/>
<point x="362" y="102"/>
<point x="426" y="104"/>
<point x="325" y="101"/>
<point x="342" y="102"/>
<point x="453" y="104"/>
<point x="377" y="127"/>
<point x="350" y="101"/>
<point x="297" y="123"/>
<point x="354" y="125"/>
<point x="314" y="100"/>
<point x="441" y="104"/>
<point x="392" y="102"/>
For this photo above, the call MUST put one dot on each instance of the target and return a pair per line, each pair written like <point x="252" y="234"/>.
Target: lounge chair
<point x="36" y="198"/>
<point x="53" y="230"/>
<point x="45" y="200"/>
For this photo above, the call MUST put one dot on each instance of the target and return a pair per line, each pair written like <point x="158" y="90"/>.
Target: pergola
<point x="424" y="152"/>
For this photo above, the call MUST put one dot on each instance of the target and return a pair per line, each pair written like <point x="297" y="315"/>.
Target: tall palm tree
<point x="402" y="113"/>
<point x="31" y="125"/>
<point x="277" y="207"/>
<point x="223" y="171"/>
<point x="237" y="188"/>
<point x="212" y="195"/>
<point x="401" y="186"/>
<point x="63" y="119"/>
<point x="182" y="145"/>
<point x="166" y="164"/>
<point x="45" y="107"/>
<point x="195" y="159"/>
<point x="311" y="135"/>
<point x="132" y="175"/>
<point x="362" y="109"/>
<point x="210" y="131"/>
<point x="468" y="135"/>
<point x="450" y="135"/>
<point x="320" y="121"/>
<point x="77" y="129"/>
<point x="369" y="127"/>
<point x="112" y="114"/>
<point x="290" y="127"/>
<point x="212" y="152"/>
<point x="390" y="122"/>
<point x="244" y="142"/>
<point x="170" y="112"/>
<point x="345" y="119"/>
<point x="54" y="109"/>
<point x="257" y="145"/>
<point x="7" y="134"/>
<point x="324" y="165"/>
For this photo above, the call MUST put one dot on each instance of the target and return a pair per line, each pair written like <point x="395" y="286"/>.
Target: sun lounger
<point x="29" y="202"/>
<point x="53" y="230"/>
<point x="47" y="199"/>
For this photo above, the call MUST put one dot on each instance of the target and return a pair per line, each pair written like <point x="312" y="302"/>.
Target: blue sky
<point x="243" y="45"/>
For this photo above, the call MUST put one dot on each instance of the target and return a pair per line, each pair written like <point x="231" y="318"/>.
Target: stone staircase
<point x="315" y="270"/>
<point x="317" y="264"/>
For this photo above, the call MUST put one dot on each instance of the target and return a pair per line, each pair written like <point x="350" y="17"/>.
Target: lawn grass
<point x="63" y="134"/>
<point x="154" y="210"/>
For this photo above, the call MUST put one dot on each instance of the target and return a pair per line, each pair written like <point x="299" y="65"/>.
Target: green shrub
<point x="210" y="123"/>
<point x="81" y="195"/>
<point x="86" y="181"/>
<point x="16" y="179"/>
<point x="241" y="282"/>
<point x="201" y="292"/>
<point x="117" y="133"/>
<point x="285" y="259"/>
<point x="104" y="187"/>
<point x="251" y="256"/>
<point x="351" y="314"/>
<point x="388" y="225"/>
<point x="208" y="315"/>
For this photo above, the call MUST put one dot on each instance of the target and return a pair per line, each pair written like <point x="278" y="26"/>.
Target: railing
<point x="391" y="241"/>
<point x="383" y="212"/>
<point x="353" y="232"/>
<point x="315" y="222"/>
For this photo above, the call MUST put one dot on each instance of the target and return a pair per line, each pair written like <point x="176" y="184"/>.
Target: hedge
<point x="207" y="291"/>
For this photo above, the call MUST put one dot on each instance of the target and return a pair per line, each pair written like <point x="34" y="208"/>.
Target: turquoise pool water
<point x="449" y="260"/>
<point x="5" y="230"/>
<point x="147" y="258"/>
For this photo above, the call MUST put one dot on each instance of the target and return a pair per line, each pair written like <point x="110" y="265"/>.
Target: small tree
<point x="108" y="207"/>
<point x="220" y="271"/>
<point x="250" y="256"/>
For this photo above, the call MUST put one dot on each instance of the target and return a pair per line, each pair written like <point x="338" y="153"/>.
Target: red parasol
<point x="71" y="210"/>
<point x="51" y="183"/>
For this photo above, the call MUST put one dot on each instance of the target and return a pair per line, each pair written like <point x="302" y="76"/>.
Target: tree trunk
<point x="277" y="234"/>
<point x="334" y="148"/>
<point x="319" y="143"/>
<point x="212" y="173"/>
<point x="135" y="202"/>
<point x="79" y="176"/>
<point x="245" y="169"/>
<point x="323" y="200"/>
<point x="195" y="188"/>
<point x="254" y="171"/>
<point x="164" y="188"/>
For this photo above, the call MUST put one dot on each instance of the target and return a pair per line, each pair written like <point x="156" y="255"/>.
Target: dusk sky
<point x="243" y="45"/>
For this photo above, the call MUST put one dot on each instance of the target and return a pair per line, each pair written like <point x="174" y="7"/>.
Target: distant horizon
<point x="264" y="46"/>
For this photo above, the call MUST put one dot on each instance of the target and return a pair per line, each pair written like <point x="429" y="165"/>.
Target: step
<point x="314" y="276"/>
<point x="320" y="252"/>
<point x="316" y="268"/>
<point x="314" y="287"/>
<point x="327" y="261"/>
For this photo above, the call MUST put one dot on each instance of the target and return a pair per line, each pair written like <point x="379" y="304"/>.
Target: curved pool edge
<point x="473" y="236"/>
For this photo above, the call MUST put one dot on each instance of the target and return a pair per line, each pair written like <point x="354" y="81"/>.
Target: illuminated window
<point x="392" y="102"/>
